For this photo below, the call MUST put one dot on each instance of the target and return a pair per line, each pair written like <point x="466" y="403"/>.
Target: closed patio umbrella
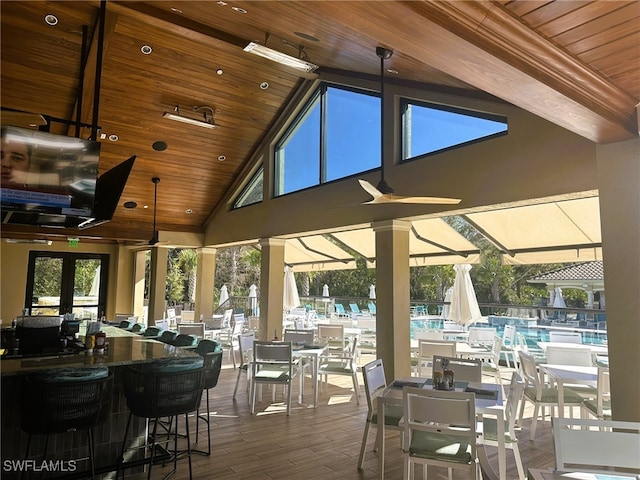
<point x="253" y="299"/>
<point x="224" y="295"/>
<point x="447" y="298"/>
<point x="464" y="304"/>
<point x="291" y="297"/>
<point x="372" y="292"/>
<point x="558" y="300"/>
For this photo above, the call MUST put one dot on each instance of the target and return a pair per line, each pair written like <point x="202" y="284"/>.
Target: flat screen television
<point x="47" y="179"/>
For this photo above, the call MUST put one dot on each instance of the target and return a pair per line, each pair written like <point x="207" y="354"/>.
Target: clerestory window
<point x="430" y="128"/>
<point x="336" y="135"/>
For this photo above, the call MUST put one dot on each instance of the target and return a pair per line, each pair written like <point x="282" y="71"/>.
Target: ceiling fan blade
<point x="422" y="200"/>
<point x="370" y="189"/>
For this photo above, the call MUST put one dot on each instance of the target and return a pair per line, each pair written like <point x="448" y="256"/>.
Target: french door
<point x="62" y="282"/>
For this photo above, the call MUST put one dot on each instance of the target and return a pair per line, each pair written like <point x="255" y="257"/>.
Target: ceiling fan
<point x="154" y="238"/>
<point x="383" y="193"/>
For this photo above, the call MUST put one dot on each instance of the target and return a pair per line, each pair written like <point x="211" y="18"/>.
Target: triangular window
<point x="252" y="192"/>
<point x="430" y="128"/>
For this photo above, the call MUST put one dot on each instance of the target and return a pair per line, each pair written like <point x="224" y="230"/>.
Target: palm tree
<point x="188" y="261"/>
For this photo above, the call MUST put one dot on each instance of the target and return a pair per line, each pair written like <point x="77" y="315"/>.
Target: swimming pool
<point x="532" y="333"/>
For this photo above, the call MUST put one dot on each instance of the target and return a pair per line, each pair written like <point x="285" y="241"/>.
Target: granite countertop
<point x="125" y="348"/>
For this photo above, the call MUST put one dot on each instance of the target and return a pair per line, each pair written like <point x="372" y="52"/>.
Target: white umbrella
<point x="446" y="308"/>
<point x="253" y="299"/>
<point x="464" y="304"/>
<point x="291" y="297"/>
<point x="95" y="284"/>
<point x="558" y="300"/>
<point x="224" y="295"/>
<point x="372" y="292"/>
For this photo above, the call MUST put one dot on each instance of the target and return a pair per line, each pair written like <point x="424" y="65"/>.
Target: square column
<point x="392" y="297"/>
<point x="619" y="187"/>
<point x="140" y="262"/>
<point x="157" y="284"/>
<point x="271" y="287"/>
<point x="205" y="276"/>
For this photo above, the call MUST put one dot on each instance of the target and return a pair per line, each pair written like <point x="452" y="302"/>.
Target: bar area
<point x="70" y="449"/>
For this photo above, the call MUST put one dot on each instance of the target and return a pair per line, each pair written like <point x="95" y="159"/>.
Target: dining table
<point x="488" y="401"/>
<point x="562" y="375"/>
<point x="313" y="353"/>
<point x="595" y="349"/>
<point x="550" y="474"/>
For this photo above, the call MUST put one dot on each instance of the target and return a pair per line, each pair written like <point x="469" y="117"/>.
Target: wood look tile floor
<point x="313" y="443"/>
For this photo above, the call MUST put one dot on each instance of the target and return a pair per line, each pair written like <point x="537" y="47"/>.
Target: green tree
<point x="188" y="262"/>
<point x="174" y="292"/>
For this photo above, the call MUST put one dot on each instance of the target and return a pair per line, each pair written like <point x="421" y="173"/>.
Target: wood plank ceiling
<point x="575" y="63"/>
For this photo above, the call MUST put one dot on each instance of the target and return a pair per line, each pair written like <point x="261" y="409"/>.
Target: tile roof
<point x="579" y="271"/>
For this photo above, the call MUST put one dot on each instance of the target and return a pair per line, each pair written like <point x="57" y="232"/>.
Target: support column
<point x="271" y="287"/>
<point x="205" y="276"/>
<point x="123" y="277"/>
<point x="139" y="270"/>
<point x="619" y="185"/>
<point x="157" y="283"/>
<point x="393" y="297"/>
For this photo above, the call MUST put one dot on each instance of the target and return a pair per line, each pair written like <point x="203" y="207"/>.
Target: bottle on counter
<point x="101" y="340"/>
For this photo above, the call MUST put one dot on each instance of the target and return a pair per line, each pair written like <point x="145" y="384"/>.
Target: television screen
<point x="46" y="175"/>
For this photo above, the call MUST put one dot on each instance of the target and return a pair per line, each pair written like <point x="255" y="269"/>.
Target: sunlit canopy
<point x="316" y="253"/>
<point x="554" y="232"/>
<point x="431" y="242"/>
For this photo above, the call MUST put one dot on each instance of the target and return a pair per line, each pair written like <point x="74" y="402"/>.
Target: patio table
<point x="569" y="374"/>
<point x="392" y="395"/>
<point x="595" y="349"/>
<point x="313" y="354"/>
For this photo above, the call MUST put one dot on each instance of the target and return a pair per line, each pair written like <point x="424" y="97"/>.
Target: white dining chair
<point x="434" y="422"/>
<point x="565" y="337"/>
<point x="272" y="364"/>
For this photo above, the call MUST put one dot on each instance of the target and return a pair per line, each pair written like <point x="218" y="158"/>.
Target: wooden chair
<point x="465" y="369"/>
<point x="597" y="446"/>
<point x="272" y="364"/>
<point x="601" y="406"/>
<point x="439" y="430"/>
<point x="374" y="384"/>
<point x="342" y="365"/>
<point x="536" y="392"/>
<point x="509" y="415"/>
<point x="427" y="349"/>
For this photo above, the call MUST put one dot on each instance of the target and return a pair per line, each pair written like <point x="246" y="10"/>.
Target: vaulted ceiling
<point x="576" y="64"/>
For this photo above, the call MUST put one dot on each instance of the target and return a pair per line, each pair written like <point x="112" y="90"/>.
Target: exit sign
<point x="73" y="242"/>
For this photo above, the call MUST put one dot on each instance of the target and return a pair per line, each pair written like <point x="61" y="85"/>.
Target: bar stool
<point x="211" y="352"/>
<point x="66" y="400"/>
<point x="164" y="388"/>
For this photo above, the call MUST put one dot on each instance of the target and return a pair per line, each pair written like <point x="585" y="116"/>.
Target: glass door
<point x="59" y="283"/>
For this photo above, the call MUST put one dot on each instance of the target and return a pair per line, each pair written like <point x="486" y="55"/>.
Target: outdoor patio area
<point x="321" y="443"/>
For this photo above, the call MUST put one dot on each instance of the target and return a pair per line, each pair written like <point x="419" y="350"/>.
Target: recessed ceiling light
<point x="219" y="71"/>
<point x="176" y="10"/>
<point x="238" y="9"/>
<point x="220" y="2"/>
<point x="146" y="49"/>
<point x="264" y="85"/>
<point x="130" y="205"/>
<point x="159" y="146"/>
<point x="51" y="19"/>
<point x="306" y="36"/>
<point x="188" y="211"/>
<point x="113" y="137"/>
<point x="391" y="70"/>
<point x="145" y="206"/>
<point x="222" y="158"/>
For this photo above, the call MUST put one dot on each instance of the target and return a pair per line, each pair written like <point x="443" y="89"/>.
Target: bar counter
<point x="125" y="348"/>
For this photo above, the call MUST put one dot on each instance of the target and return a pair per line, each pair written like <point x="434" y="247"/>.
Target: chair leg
<point x="186" y="421"/>
<point x="153" y="448"/>
<point x="363" y="446"/>
<point x="124" y="443"/>
<point x="534" y="421"/>
<point x="516" y="455"/>
<point x="356" y="388"/>
<point x="288" y="398"/>
<point x="235" y="390"/>
<point x="91" y="459"/>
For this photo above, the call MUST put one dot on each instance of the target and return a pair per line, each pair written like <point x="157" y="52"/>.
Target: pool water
<point x="531" y="335"/>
